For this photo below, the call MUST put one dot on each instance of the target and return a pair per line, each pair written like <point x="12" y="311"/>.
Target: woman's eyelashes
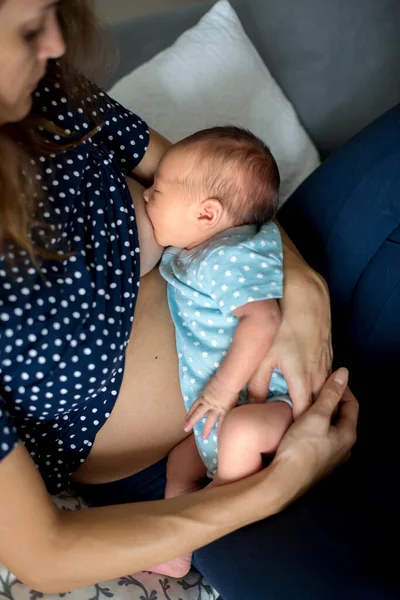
<point x="33" y="34"/>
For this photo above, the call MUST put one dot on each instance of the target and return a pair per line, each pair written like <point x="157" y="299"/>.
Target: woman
<point x="87" y="405"/>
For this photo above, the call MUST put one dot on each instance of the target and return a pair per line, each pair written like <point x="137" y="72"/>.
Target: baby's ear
<point x="209" y="213"/>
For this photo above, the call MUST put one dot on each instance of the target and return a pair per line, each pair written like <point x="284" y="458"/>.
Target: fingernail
<point x="186" y="428"/>
<point x="341" y="376"/>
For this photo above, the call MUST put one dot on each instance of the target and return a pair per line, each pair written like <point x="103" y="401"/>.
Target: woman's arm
<point x="54" y="551"/>
<point x="302" y="348"/>
<point x="157" y="147"/>
<point x="308" y="308"/>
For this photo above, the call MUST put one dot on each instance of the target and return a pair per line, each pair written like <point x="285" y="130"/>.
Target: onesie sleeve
<point x="247" y="271"/>
<point x="8" y="432"/>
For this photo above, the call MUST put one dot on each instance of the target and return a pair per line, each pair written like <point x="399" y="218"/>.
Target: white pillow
<point x="213" y="75"/>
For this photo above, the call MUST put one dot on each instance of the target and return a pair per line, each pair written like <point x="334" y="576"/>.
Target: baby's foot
<point x="179" y="567"/>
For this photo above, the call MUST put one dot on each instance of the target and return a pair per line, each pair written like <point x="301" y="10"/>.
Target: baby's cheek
<point x="150" y="213"/>
<point x="157" y="235"/>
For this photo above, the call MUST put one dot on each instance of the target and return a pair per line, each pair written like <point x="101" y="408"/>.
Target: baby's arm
<point x="258" y="324"/>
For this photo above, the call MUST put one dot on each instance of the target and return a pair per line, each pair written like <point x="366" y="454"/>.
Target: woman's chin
<point x="21" y="110"/>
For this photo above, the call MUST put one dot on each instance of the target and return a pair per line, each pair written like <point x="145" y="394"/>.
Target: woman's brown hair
<point x="22" y="141"/>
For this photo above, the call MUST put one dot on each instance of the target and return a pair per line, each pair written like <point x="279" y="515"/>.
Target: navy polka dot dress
<point x="63" y="333"/>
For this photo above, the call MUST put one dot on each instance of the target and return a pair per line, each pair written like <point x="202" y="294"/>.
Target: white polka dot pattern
<point x="63" y="334"/>
<point x="205" y="285"/>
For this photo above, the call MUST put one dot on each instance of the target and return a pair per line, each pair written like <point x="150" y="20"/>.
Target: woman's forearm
<point x="300" y="276"/>
<point x="103" y="543"/>
<point x="303" y="348"/>
<point x="292" y="256"/>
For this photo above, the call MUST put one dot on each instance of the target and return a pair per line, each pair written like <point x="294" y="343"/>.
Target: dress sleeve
<point x="251" y="270"/>
<point x="8" y="432"/>
<point x="124" y="133"/>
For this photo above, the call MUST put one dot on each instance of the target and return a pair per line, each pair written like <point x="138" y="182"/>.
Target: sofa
<point x="336" y="60"/>
<point x="338" y="63"/>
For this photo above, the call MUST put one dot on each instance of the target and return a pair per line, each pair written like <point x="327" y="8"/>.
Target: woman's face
<point x="29" y="36"/>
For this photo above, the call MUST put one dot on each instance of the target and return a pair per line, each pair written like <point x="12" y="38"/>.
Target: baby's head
<point x="212" y="180"/>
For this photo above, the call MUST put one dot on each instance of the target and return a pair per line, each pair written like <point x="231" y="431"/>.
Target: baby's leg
<point x="150" y="250"/>
<point x="185" y="469"/>
<point x="247" y="433"/>
<point x="185" y="473"/>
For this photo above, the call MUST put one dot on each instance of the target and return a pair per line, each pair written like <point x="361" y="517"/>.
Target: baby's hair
<point x="238" y="169"/>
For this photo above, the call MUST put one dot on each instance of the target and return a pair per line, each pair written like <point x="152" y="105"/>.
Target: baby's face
<point x="169" y="207"/>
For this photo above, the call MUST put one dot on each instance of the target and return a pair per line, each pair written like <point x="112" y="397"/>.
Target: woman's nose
<point x="52" y="43"/>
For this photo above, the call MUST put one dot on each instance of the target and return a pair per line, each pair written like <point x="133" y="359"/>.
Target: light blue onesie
<point x="205" y="285"/>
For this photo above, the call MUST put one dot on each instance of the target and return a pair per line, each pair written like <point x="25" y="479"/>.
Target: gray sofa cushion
<point x="337" y="60"/>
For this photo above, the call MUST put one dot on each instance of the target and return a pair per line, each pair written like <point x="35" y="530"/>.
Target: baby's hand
<point x="215" y="401"/>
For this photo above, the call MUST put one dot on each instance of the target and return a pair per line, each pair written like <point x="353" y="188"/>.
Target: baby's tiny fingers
<point x="209" y="424"/>
<point x="256" y="399"/>
<point x="195" y="406"/>
<point x="220" y="421"/>
<point x="194" y="416"/>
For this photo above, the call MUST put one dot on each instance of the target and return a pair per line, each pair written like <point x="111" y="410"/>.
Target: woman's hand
<point x="315" y="445"/>
<point x="302" y="348"/>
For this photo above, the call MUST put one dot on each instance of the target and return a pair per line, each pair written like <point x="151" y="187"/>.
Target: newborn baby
<point x="214" y="196"/>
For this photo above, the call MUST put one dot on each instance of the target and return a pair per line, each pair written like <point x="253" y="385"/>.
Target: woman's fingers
<point x="258" y="386"/>
<point x="299" y="386"/>
<point x="348" y="416"/>
<point x="320" y="373"/>
<point x="330" y="395"/>
<point x="314" y="446"/>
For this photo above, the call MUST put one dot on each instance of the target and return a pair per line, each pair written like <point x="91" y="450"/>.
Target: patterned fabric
<point x="205" y="285"/>
<point x="63" y="332"/>
<point x="141" y="586"/>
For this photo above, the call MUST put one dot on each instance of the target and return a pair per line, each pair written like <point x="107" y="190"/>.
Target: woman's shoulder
<point x="67" y="111"/>
<point x="90" y="111"/>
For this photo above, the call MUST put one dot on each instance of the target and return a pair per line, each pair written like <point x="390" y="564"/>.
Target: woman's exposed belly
<point x="148" y="418"/>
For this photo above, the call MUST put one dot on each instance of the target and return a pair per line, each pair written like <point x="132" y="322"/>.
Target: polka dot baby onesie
<point x="63" y="334"/>
<point x="205" y="285"/>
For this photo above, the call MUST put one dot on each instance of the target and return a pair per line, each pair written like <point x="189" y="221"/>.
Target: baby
<point x="212" y="203"/>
